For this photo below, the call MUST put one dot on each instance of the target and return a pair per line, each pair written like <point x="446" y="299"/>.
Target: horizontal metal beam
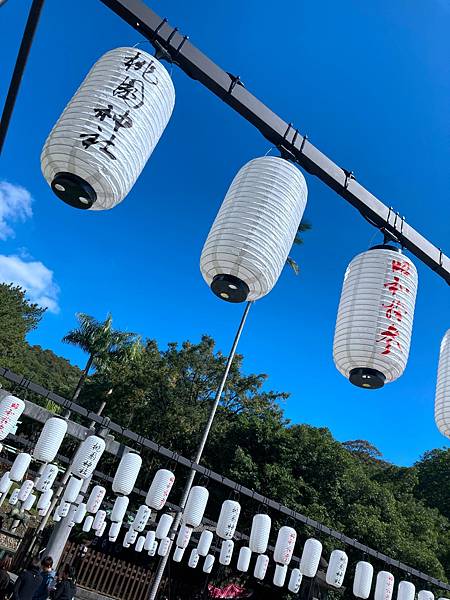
<point x="295" y="146"/>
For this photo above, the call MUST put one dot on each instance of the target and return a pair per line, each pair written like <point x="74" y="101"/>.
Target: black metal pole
<point x="22" y="57"/>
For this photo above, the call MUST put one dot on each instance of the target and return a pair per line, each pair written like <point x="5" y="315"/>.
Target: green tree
<point x="433" y="486"/>
<point x="298" y="241"/>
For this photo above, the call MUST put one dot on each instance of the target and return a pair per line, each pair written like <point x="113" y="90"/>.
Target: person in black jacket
<point x="6" y="585"/>
<point x="27" y="583"/>
<point x="65" y="588"/>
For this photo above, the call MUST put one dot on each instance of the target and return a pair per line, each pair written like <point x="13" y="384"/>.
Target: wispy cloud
<point x="15" y="205"/>
<point x="34" y="277"/>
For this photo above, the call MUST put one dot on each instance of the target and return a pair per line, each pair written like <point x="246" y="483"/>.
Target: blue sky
<point x="368" y="83"/>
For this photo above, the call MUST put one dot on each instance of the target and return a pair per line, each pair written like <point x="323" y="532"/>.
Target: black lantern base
<point x="370" y="379"/>
<point x="74" y="190"/>
<point x="230" y="288"/>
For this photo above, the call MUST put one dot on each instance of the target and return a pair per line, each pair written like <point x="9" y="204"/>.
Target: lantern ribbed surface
<point x="140" y="543"/>
<point x="178" y="554"/>
<point x="375" y="317"/>
<point x="337" y="565"/>
<point x="87" y="524"/>
<point x="119" y="508"/>
<point x="184" y="536"/>
<point x="250" y="239"/>
<point x="20" y="466"/>
<point x="149" y="539"/>
<point x="80" y="513"/>
<point x="279" y="576"/>
<point x="259" y="533"/>
<point x="13" y="499"/>
<point x="406" y="591"/>
<point x="442" y="398"/>
<point x="10" y="410"/>
<point x="228" y="519"/>
<point x="195" y="506"/>
<point x="244" y="558"/>
<point x="160" y="489"/>
<point x="226" y="552"/>
<point x="114" y="530"/>
<point x="127" y="473"/>
<point x="72" y="490"/>
<point x="193" y="558"/>
<point x="50" y="439"/>
<point x="29" y="502"/>
<point x="164" y="525"/>
<point x="295" y="581"/>
<point x="363" y="580"/>
<point x="163" y="547"/>
<point x="384" y="586"/>
<point x="99" y="519"/>
<point x="141" y="519"/>
<point x="204" y="543"/>
<point x="310" y="559"/>
<point x="47" y="478"/>
<point x="425" y="595"/>
<point x="153" y="549"/>
<point x="109" y="129"/>
<point x="284" y="546"/>
<point x="25" y="490"/>
<point x="262" y="562"/>
<point x="5" y="483"/>
<point x="87" y="456"/>
<point x="95" y="498"/>
<point x="209" y="563"/>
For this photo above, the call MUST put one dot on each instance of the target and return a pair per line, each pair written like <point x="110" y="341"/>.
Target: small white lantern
<point x="45" y="499"/>
<point x="47" y="478"/>
<point x="363" y="580"/>
<point x="141" y="519"/>
<point x="310" y="559"/>
<point x="80" y="513"/>
<point x="25" y="490"/>
<point x="160" y="489"/>
<point x="63" y="509"/>
<point x="193" y="558"/>
<point x="153" y="549"/>
<point x="262" y="562"/>
<point x="184" y="536"/>
<point x="205" y="541"/>
<point x="164" y="525"/>
<point x="72" y="490"/>
<point x="114" y="530"/>
<point x="11" y="409"/>
<point x="131" y="536"/>
<point x="149" y="539"/>
<point x="209" y="563"/>
<point x="442" y="398"/>
<point x="56" y="516"/>
<point x="44" y="510"/>
<point x="375" y="317"/>
<point x="88" y="521"/>
<point x="50" y="439"/>
<point x="5" y="483"/>
<point x="109" y="129"/>
<point x="178" y="554"/>
<point x="140" y="543"/>
<point x="384" y="586"/>
<point x="295" y="581"/>
<point x="245" y="555"/>
<point x="259" y="534"/>
<point x="425" y="595"/>
<point x="228" y="519"/>
<point x="195" y="506"/>
<point x="284" y="546"/>
<point x="337" y="566"/>
<point x="95" y="498"/>
<point x="101" y="530"/>
<point x="29" y="502"/>
<point x="406" y="591"/>
<point x="226" y="552"/>
<point x="251" y="237"/>
<point x="20" y="466"/>
<point x="164" y="546"/>
<point x="279" y="576"/>
<point x="99" y="519"/>
<point x="119" y="509"/>
<point x="127" y="473"/>
<point x="87" y="456"/>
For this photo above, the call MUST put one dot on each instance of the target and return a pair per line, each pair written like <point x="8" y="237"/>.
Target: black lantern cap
<point x="369" y="379"/>
<point x="230" y="288"/>
<point x="74" y="190"/>
<point x="386" y="247"/>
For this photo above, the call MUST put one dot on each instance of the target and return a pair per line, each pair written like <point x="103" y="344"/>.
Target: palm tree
<point x="104" y="345"/>
<point x="298" y="240"/>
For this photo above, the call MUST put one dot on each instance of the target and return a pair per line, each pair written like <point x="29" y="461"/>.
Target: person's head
<point x="34" y="563"/>
<point x="68" y="572"/>
<point x="5" y="563"/>
<point x="47" y="563"/>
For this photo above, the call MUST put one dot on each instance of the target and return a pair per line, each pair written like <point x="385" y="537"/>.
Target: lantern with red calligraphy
<point x="10" y="410"/>
<point x="375" y="317"/>
<point x="442" y="399"/>
<point x="109" y="129"/>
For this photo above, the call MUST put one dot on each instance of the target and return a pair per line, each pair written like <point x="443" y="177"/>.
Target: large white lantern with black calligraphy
<point x="109" y="129"/>
<point x="251" y="237"/>
<point x="442" y="399"/>
<point x="87" y="456"/>
<point x="375" y="317"/>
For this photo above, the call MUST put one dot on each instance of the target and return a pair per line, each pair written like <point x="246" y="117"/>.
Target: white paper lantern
<point x="114" y="530"/>
<point x="87" y="524"/>
<point x="149" y="539"/>
<point x="406" y="591"/>
<point x="425" y="595"/>
<point x="384" y="586"/>
<point x="25" y="490"/>
<point x="87" y="456"/>
<point x="99" y="519"/>
<point x="140" y="543"/>
<point x="11" y="409"/>
<point x="160" y="489"/>
<point x="204" y="543"/>
<point x="29" y="502"/>
<point x="101" y="530"/>
<point x="295" y="581"/>
<point x="44" y="510"/>
<point x="120" y="508"/>
<point x="193" y="558"/>
<point x="20" y="466"/>
<point x="310" y="559"/>
<point x="141" y="519"/>
<point x="56" y="516"/>
<point x="164" y="546"/>
<point x="164" y="525"/>
<point x="178" y="554"/>
<point x="95" y="498"/>
<point x="72" y="490"/>
<point x="363" y="580"/>
<point x="127" y="473"/>
<point x="279" y="576"/>
<point x="442" y="398"/>
<point x="195" y="506"/>
<point x="153" y="549"/>
<point x="284" y="546"/>
<point x="262" y="562"/>
<point x="337" y="566"/>
<point x="45" y="499"/>
<point x="50" y="439"/>
<point x="375" y="317"/>
<point x="131" y="535"/>
<point x="209" y="563"/>
<point x="228" y="519"/>
<point x="251" y="237"/>
<point x="80" y="513"/>
<point x="259" y="534"/>
<point x="47" y="478"/>
<point x="226" y="552"/>
<point x="5" y="483"/>
<point x="245" y="555"/>
<point x="63" y="509"/>
<point x="109" y="129"/>
<point x="184" y="536"/>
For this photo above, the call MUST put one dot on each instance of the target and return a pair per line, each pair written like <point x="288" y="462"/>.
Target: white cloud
<point x="15" y="205"/>
<point x="34" y="277"/>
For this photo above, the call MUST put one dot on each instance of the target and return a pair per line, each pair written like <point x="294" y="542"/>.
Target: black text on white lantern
<point x="228" y="519"/>
<point x="50" y="439"/>
<point x="375" y="317"/>
<point x="406" y="591"/>
<point x="96" y="498"/>
<point x="47" y="478"/>
<point x="442" y="399"/>
<point x="25" y="490"/>
<point x="10" y="410"/>
<point x="20" y="466"/>
<point x="250" y="239"/>
<point x="127" y="473"/>
<point x="195" y="506"/>
<point x="363" y="580"/>
<point x="141" y="519"/>
<point x="164" y="546"/>
<point x="295" y="581"/>
<point x="149" y="540"/>
<point x="14" y="498"/>
<point x="310" y="559"/>
<point x="193" y="558"/>
<point x="109" y="129"/>
<point x="114" y="530"/>
<point x="160" y="489"/>
<point x="337" y="566"/>
<point x="226" y="552"/>
<point x="384" y="586"/>
<point x="87" y="456"/>
<point x="259" y="534"/>
<point x="153" y="549"/>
